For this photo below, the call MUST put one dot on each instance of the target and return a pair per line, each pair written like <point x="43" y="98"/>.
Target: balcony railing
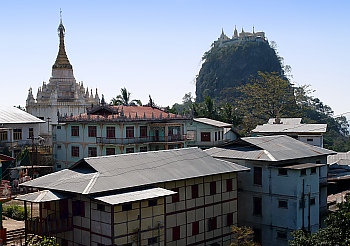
<point x="139" y="140"/>
<point x="15" y="143"/>
<point x="46" y="227"/>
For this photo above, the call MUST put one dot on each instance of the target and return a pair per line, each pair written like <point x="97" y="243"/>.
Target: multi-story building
<point x="286" y="189"/>
<point x="110" y="130"/>
<point x="62" y="94"/>
<point x="206" y="133"/>
<point x="168" y="197"/>
<point x="18" y="129"/>
<point x="293" y="127"/>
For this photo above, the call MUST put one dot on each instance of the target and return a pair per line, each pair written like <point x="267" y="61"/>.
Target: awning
<point x="135" y="196"/>
<point x="43" y="196"/>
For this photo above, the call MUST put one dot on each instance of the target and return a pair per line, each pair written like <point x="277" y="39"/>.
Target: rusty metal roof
<point x="268" y="148"/>
<point x="13" y="115"/>
<point x="109" y="173"/>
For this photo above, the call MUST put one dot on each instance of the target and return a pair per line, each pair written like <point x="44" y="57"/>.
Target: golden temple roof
<point x="62" y="61"/>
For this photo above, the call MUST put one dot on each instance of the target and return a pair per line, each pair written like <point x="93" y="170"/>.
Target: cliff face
<point x="227" y="67"/>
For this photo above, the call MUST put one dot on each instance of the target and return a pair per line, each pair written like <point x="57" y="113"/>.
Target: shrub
<point x="15" y="212"/>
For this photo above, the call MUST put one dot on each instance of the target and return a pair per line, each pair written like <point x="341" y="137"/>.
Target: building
<point x="110" y="130"/>
<point x="240" y="38"/>
<point x="286" y="189"/>
<point x="62" y="94"/>
<point x="293" y="127"/>
<point x="18" y="129"/>
<point x="206" y="133"/>
<point x="168" y="197"/>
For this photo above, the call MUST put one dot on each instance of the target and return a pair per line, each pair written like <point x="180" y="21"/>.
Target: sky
<point x="155" y="47"/>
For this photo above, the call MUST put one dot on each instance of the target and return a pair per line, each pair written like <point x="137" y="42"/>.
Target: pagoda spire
<point x="62" y="59"/>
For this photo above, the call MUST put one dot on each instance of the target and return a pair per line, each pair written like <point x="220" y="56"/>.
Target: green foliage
<point x="337" y="231"/>
<point x="243" y="236"/>
<point x="15" y="211"/>
<point x="268" y="96"/>
<point x="125" y="99"/>
<point x="43" y="241"/>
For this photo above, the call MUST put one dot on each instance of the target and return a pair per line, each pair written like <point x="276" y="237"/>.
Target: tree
<point x="243" y="236"/>
<point x="124" y="99"/>
<point x="337" y="231"/>
<point x="268" y="96"/>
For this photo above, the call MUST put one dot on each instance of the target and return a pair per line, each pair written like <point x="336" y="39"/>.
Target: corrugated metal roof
<point x="341" y="158"/>
<point x="42" y="196"/>
<point x="303" y="166"/>
<point x="286" y="121"/>
<point x="268" y="148"/>
<point x="212" y="122"/>
<point x="289" y="128"/>
<point x="13" y="115"/>
<point x="116" y="172"/>
<point x="133" y="196"/>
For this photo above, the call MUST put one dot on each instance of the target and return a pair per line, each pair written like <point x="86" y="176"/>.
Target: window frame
<point x="92" y="131"/>
<point x="75" y="151"/>
<point x="110" y="132"/>
<point x="129" y="132"/>
<point x="108" y="151"/>
<point x="257" y="175"/>
<point x="17" y="134"/>
<point x="143" y="131"/>
<point x="212" y="185"/>
<point x="176" y="233"/>
<point x="74" y="131"/>
<point x="257" y="206"/>
<point x="283" y="203"/>
<point x="195" y="228"/>
<point x="92" y="151"/>
<point x="194" y="191"/>
<point x="205" y="137"/>
<point x="229" y="185"/>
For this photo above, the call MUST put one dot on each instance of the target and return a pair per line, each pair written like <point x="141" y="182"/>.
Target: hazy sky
<point x="155" y="47"/>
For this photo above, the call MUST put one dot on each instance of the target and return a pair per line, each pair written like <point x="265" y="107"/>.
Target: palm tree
<point x="124" y="99"/>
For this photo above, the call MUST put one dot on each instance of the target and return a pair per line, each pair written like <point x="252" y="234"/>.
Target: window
<point x="176" y="233"/>
<point x="303" y="172"/>
<point x="257" y="206"/>
<point x="75" y="151"/>
<point x="313" y="170"/>
<point x="318" y="162"/>
<point x="59" y="146"/>
<point x="194" y="189"/>
<point x="205" y="136"/>
<point x="59" y="166"/>
<point x="3" y="136"/>
<point x="152" y="202"/>
<point x="219" y="135"/>
<point x="75" y="131"/>
<point x="58" y="127"/>
<point x="229" y="185"/>
<point x="126" y="207"/>
<point x="175" y="197"/>
<point x="309" y="140"/>
<point x="283" y="172"/>
<point x="110" y="151"/>
<point x="92" y="131"/>
<point x="195" y="228"/>
<point x="212" y="187"/>
<point x="129" y="150"/>
<point x="216" y="136"/>
<point x="129" y="132"/>
<point x="282" y="203"/>
<point x="152" y="240"/>
<point x="78" y="208"/>
<point x="229" y="220"/>
<point x="258" y="175"/>
<point x="92" y="151"/>
<point x="143" y="149"/>
<point x="281" y="235"/>
<point x="110" y="132"/>
<point x="312" y="201"/>
<point x="17" y="134"/>
<point x="101" y="207"/>
<point x="143" y="131"/>
<point x="31" y="132"/>
<point x="212" y="224"/>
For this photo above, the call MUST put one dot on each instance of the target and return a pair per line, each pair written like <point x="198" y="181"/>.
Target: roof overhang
<point x="6" y="158"/>
<point x="134" y="196"/>
<point x="43" y="196"/>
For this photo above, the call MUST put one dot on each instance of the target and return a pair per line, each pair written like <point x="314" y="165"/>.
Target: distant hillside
<point x="227" y="67"/>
